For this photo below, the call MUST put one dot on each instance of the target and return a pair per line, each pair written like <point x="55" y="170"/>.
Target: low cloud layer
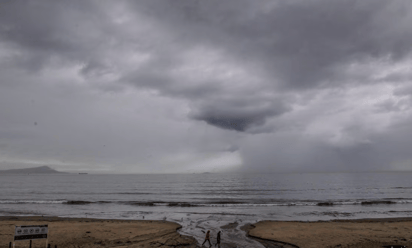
<point x="184" y="86"/>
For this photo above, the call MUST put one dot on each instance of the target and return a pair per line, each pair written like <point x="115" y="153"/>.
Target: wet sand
<point x="68" y="233"/>
<point x="83" y="232"/>
<point x="366" y="233"/>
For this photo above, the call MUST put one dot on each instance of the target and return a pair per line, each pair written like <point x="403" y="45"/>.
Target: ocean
<point x="209" y="201"/>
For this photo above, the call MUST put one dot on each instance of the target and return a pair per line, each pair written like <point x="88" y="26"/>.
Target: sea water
<point x="200" y="202"/>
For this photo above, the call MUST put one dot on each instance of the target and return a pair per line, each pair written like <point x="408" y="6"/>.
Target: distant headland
<point x="34" y="170"/>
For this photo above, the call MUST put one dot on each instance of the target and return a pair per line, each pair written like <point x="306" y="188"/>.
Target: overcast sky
<point x="154" y="86"/>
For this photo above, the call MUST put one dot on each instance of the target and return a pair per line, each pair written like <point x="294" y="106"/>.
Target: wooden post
<point x="30" y="243"/>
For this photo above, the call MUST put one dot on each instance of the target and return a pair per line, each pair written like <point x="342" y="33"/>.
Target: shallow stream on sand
<point x="231" y="234"/>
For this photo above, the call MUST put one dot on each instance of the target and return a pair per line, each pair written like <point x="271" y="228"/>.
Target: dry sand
<point x="343" y="234"/>
<point x="68" y="233"/>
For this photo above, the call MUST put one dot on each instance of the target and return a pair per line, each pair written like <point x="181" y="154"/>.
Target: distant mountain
<point x="35" y="170"/>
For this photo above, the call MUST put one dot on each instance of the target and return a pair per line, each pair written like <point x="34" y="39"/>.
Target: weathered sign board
<point x="31" y="232"/>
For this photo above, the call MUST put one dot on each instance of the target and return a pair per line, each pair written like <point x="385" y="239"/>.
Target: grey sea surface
<point x="201" y="202"/>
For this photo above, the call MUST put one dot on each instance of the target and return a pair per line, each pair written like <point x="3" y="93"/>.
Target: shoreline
<point x="88" y="232"/>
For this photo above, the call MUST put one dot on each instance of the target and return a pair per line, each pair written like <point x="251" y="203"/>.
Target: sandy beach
<point x="67" y="233"/>
<point x="83" y="232"/>
<point x="372" y="233"/>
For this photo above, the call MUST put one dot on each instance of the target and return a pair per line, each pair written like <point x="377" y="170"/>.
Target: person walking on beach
<point x="218" y="239"/>
<point x="207" y="238"/>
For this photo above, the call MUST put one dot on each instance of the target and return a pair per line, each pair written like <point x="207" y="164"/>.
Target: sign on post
<point x="31" y="232"/>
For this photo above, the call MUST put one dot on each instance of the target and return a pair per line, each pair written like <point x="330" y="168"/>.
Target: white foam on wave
<point x="32" y="201"/>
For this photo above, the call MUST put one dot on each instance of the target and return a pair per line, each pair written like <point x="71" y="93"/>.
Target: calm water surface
<point x="208" y="201"/>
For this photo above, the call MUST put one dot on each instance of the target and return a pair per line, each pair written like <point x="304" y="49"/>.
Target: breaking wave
<point x="218" y="203"/>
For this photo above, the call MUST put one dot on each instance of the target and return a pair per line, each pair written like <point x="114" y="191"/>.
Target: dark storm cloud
<point x="297" y="46"/>
<point x="238" y="114"/>
<point x="302" y="43"/>
<point x="326" y="81"/>
<point x="48" y="32"/>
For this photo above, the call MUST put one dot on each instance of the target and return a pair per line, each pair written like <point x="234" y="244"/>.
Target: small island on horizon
<point x="34" y="170"/>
